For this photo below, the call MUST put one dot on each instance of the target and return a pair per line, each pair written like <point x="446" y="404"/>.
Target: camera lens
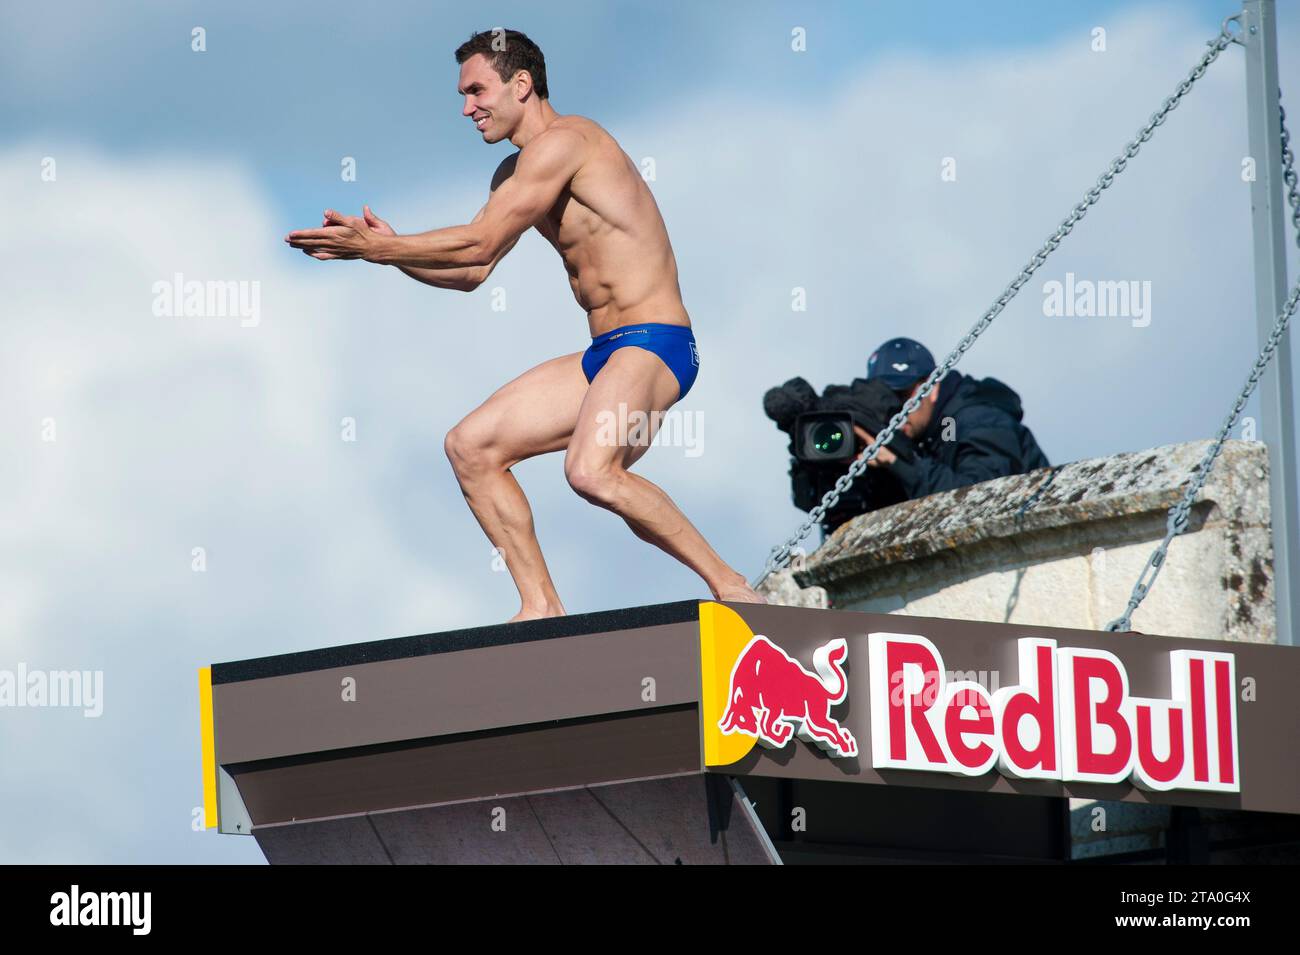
<point x="828" y="437"/>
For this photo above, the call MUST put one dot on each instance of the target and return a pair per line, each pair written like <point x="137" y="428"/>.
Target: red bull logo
<point x="773" y="698"/>
<point x="1070" y="715"/>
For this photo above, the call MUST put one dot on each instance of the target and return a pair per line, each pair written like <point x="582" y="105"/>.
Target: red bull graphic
<point x="772" y="697"/>
<point x="1067" y="715"/>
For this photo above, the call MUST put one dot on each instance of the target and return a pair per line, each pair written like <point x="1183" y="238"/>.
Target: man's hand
<point x="341" y="237"/>
<point x="883" y="457"/>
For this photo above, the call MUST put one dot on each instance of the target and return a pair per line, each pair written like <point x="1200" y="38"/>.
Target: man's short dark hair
<point x="508" y="52"/>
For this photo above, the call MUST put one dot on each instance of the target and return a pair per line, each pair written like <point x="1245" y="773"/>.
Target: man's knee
<point x="599" y="485"/>
<point x="469" y="449"/>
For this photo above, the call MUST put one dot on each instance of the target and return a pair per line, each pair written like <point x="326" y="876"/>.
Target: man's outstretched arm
<point x="542" y="171"/>
<point x="463" y="279"/>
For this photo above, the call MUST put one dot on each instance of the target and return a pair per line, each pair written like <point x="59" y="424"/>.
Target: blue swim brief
<point x="675" y="344"/>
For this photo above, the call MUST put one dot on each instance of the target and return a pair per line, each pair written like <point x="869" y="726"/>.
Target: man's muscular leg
<point x="599" y="472"/>
<point x="533" y="414"/>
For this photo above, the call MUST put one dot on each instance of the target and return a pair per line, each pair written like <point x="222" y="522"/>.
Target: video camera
<point x="823" y="444"/>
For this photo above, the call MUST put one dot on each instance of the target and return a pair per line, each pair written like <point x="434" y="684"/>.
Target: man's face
<point x="919" y="420"/>
<point x="489" y="103"/>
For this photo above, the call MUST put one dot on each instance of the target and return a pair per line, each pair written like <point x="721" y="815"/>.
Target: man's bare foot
<point x="742" y="594"/>
<point x="531" y="613"/>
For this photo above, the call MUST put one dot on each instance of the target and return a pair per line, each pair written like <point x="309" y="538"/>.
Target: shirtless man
<point x="573" y="183"/>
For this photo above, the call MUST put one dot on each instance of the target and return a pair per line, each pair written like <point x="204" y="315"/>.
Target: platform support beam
<point x="1268" y="226"/>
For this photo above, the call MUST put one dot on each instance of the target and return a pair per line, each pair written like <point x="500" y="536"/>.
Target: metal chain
<point x="1289" y="174"/>
<point x="1178" y="515"/>
<point x="780" y="555"/>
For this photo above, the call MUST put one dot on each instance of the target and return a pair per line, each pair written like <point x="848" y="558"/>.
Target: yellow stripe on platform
<point x="209" y="749"/>
<point x="723" y="635"/>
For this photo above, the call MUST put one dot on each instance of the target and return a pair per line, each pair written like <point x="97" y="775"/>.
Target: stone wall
<point x="1063" y="547"/>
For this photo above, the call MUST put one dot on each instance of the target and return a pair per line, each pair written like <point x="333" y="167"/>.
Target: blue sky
<point x="775" y="170"/>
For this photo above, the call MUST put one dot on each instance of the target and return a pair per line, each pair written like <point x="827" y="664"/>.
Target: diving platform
<point x="705" y="732"/>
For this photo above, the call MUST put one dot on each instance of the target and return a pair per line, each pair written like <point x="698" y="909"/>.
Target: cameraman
<point x="965" y="430"/>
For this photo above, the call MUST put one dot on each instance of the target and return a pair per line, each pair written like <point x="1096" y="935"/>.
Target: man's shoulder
<point x="981" y="412"/>
<point x="580" y="125"/>
<point x="567" y="133"/>
<point x="988" y="399"/>
<point x="569" y="141"/>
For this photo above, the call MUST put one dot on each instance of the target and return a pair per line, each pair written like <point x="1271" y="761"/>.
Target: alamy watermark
<point x="1084" y="298"/>
<point x="928" y="690"/>
<point x="129" y="909"/>
<point x="211" y="299"/>
<point x="51" y="688"/>
<point x="671" y="428"/>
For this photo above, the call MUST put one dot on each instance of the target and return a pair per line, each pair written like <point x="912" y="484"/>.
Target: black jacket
<point x="987" y="439"/>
